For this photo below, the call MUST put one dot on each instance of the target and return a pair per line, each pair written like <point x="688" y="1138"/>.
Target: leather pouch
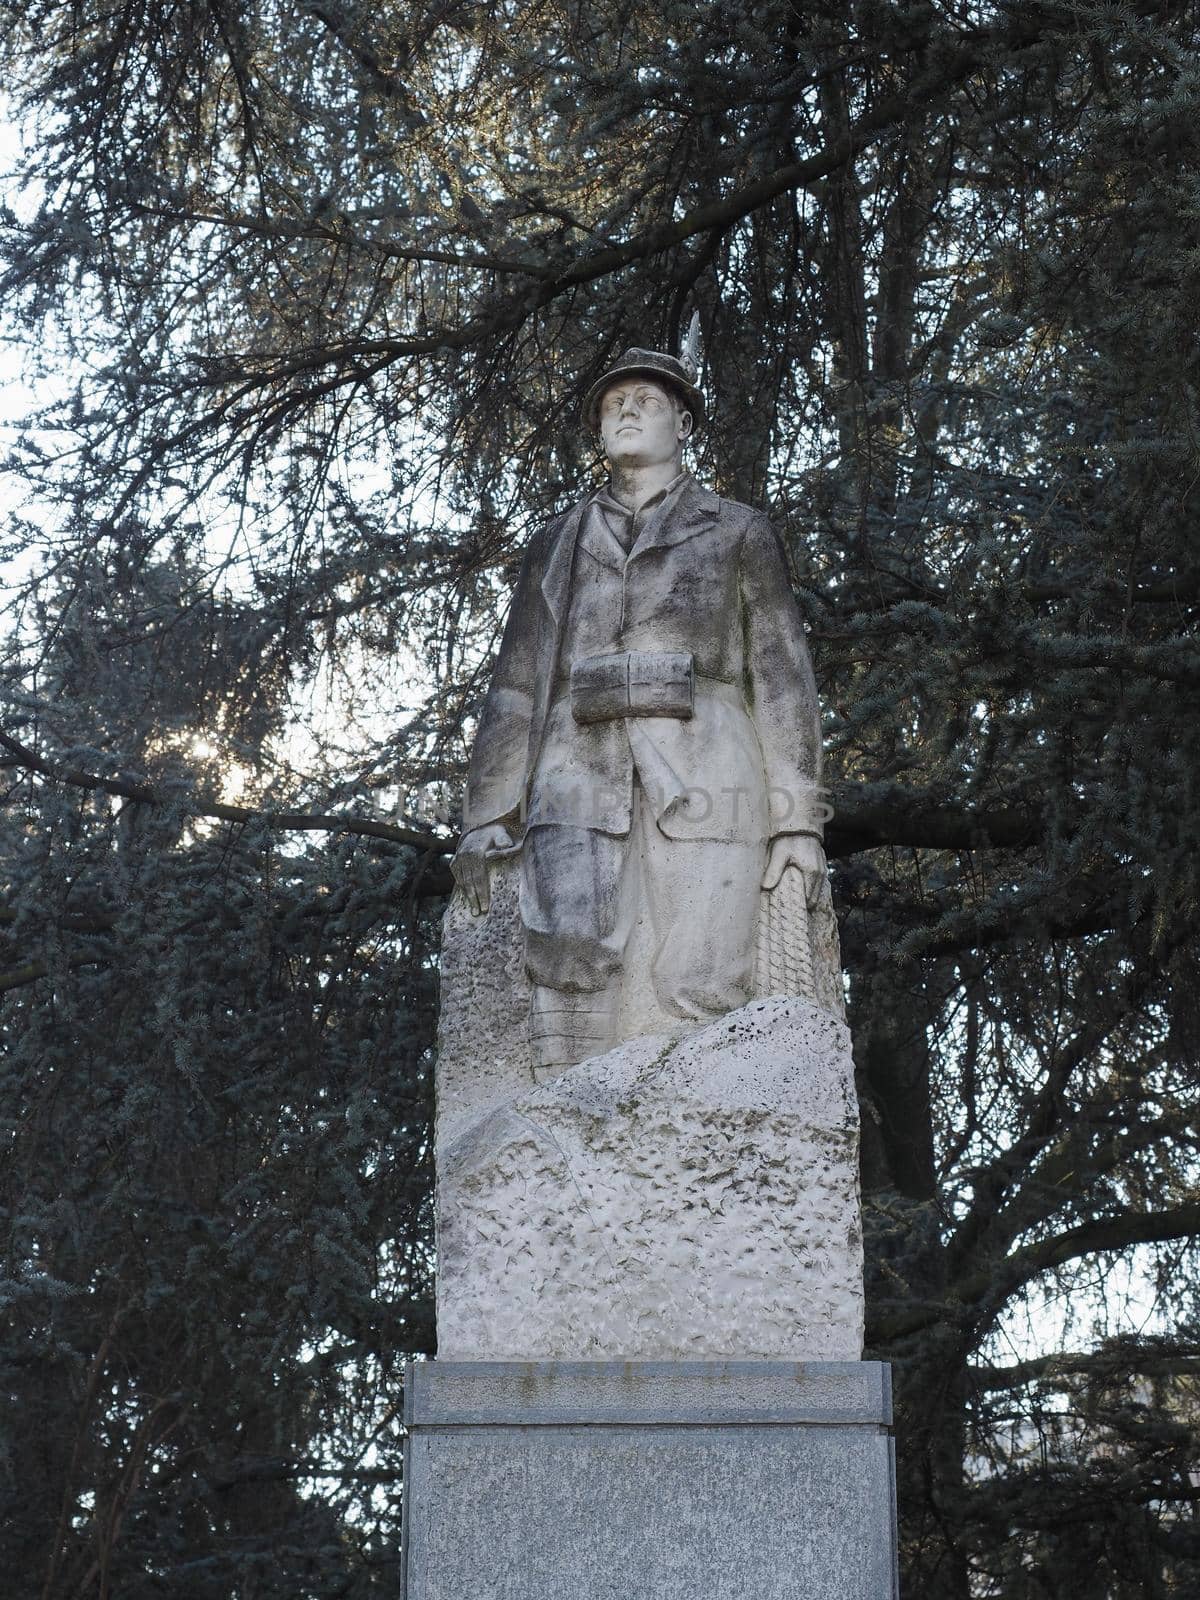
<point x="633" y="683"/>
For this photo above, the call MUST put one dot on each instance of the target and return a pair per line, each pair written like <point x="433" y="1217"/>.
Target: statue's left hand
<point x="470" y="866"/>
<point x="799" y="850"/>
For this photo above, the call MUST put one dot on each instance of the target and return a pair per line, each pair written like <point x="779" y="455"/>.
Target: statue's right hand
<point x="470" y="867"/>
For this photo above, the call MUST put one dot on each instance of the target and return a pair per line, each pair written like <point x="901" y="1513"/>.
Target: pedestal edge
<point x="712" y="1393"/>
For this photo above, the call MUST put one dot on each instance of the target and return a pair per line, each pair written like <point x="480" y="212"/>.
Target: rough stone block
<point x="483" y="1022"/>
<point x="673" y="1199"/>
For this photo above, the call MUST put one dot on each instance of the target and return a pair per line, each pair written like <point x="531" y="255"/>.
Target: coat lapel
<point x="556" y="580"/>
<point x="694" y="510"/>
<point x="598" y="539"/>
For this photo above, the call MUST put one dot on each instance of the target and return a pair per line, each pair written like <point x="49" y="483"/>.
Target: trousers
<point x="634" y="933"/>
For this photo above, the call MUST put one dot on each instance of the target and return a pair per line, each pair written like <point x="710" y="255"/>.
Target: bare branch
<point x="1116" y="1362"/>
<point x="974" y="1296"/>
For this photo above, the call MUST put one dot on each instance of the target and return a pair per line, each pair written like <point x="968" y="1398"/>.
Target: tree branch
<point x="866" y="819"/>
<point x="1181" y="590"/>
<point x="320" y="232"/>
<point x="981" y="1292"/>
<point x="284" y="821"/>
<point x="715" y="216"/>
<point x="1090" y="1238"/>
<point x="1111" y="1363"/>
<point x="897" y="817"/>
<point x="18" y="977"/>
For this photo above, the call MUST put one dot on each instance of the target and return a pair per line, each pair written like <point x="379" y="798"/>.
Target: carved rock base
<point x="670" y="1200"/>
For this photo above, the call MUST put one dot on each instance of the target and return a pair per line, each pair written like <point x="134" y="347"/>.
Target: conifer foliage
<point x="307" y="295"/>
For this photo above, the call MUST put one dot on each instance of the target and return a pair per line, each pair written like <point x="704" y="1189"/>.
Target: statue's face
<point x="641" y="424"/>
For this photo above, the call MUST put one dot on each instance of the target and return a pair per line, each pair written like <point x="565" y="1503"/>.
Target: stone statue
<point x="650" y="746"/>
<point x="648" y="1230"/>
<point x="647" y="1130"/>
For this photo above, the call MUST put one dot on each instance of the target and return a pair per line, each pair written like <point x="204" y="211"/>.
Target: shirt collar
<point x="608" y="501"/>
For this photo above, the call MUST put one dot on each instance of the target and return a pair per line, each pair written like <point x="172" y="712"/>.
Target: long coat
<point x="708" y="577"/>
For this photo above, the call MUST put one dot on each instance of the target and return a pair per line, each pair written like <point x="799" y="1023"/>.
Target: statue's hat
<point x="668" y="370"/>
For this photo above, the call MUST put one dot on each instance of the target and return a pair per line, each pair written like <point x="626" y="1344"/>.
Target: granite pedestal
<point x="647" y="1480"/>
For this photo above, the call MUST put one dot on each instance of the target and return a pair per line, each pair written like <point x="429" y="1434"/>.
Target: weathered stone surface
<point x="740" y="1481"/>
<point x="484" y="1058"/>
<point x="483" y="1023"/>
<point x="673" y="1199"/>
<point x="651" y="742"/>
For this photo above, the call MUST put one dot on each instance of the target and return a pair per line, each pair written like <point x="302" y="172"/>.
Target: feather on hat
<point x="672" y="371"/>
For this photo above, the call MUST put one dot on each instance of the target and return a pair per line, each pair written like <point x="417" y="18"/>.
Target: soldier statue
<point x="650" y="740"/>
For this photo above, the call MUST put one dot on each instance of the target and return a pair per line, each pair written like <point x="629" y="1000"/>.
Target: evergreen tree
<point x="312" y="292"/>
